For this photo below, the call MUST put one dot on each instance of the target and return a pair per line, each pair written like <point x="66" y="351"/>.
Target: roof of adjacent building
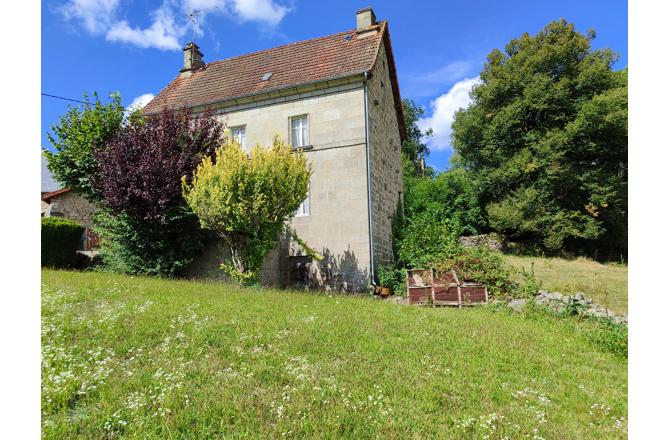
<point x="49" y="184"/>
<point x="49" y="195"/>
<point x="305" y="62"/>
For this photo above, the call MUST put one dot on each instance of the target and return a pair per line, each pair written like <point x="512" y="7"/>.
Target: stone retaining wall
<point x="577" y="303"/>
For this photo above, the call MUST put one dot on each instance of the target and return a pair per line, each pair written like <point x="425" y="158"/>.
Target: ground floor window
<point x="305" y="207"/>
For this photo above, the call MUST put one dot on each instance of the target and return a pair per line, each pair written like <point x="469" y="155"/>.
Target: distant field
<point x="606" y="283"/>
<point x="143" y="358"/>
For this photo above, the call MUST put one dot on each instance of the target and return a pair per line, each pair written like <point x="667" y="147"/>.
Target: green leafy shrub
<point x="428" y="238"/>
<point x="394" y="277"/>
<point x="452" y="194"/>
<point x="60" y="240"/>
<point x="481" y="265"/>
<point x="489" y="268"/>
<point x="78" y="137"/>
<point x="134" y="246"/>
<point x="246" y="199"/>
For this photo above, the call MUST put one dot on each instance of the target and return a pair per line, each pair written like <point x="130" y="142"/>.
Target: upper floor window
<point x="299" y="131"/>
<point x="239" y="135"/>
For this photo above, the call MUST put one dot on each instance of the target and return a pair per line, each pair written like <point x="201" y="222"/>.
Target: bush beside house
<point x="60" y="241"/>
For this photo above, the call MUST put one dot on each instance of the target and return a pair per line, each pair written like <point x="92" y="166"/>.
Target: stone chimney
<point x="192" y="57"/>
<point x="365" y="19"/>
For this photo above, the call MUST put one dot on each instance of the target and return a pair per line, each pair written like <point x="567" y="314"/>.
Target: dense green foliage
<point x="78" y="137"/>
<point x="134" y="246"/>
<point x="546" y="139"/>
<point x="427" y="239"/>
<point x="247" y="200"/>
<point x="489" y="268"/>
<point x="60" y="240"/>
<point x="414" y="149"/>
<point x="147" y="358"/>
<point x="451" y="195"/>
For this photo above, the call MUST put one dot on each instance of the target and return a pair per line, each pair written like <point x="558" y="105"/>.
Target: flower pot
<point x="385" y="291"/>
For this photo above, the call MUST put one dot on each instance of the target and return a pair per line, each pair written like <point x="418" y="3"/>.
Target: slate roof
<point x="49" y="184"/>
<point x="304" y="62"/>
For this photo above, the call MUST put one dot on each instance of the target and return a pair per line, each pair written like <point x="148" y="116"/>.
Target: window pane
<point x="305" y="207"/>
<point x="239" y="135"/>
<point x="299" y="131"/>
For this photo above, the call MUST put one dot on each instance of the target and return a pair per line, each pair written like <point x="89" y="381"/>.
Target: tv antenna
<point x="194" y="16"/>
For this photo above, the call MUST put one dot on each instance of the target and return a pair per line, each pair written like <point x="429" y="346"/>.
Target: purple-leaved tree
<point x="141" y="170"/>
<point x="145" y="225"/>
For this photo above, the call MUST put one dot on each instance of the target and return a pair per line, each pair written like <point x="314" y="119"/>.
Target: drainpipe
<point x="368" y="176"/>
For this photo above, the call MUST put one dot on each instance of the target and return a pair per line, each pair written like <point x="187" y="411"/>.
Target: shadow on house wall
<point x="287" y="266"/>
<point x="339" y="273"/>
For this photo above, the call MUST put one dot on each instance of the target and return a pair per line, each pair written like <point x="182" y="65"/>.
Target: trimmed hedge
<point x="60" y="241"/>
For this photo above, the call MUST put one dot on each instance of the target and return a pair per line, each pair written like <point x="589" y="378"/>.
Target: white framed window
<point x="239" y="135"/>
<point x="305" y="207"/>
<point x="299" y="131"/>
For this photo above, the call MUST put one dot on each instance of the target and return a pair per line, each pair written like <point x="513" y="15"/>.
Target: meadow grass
<point x="134" y="357"/>
<point x="607" y="284"/>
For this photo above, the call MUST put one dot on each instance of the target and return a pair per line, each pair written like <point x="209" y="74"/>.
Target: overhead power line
<point x="64" y="99"/>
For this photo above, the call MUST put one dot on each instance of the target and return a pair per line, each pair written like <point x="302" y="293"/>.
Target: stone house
<point x="61" y="202"/>
<point x="336" y="98"/>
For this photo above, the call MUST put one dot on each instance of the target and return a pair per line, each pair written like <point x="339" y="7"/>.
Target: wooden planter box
<point x="423" y="287"/>
<point x="473" y="293"/>
<point x="419" y="284"/>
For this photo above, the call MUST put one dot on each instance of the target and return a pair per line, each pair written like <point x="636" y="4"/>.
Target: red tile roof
<point x="300" y="63"/>
<point x="49" y="195"/>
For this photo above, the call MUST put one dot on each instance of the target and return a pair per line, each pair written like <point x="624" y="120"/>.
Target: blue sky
<point x="134" y="47"/>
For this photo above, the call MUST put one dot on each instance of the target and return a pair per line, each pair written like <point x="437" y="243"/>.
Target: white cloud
<point x="164" y="33"/>
<point x="265" y="11"/>
<point x="169" y="24"/>
<point x="432" y="82"/>
<point x="443" y="112"/>
<point x="140" y="101"/>
<point x="95" y="15"/>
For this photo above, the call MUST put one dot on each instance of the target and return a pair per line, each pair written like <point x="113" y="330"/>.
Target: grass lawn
<point x="605" y="283"/>
<point x="147" y="358"/>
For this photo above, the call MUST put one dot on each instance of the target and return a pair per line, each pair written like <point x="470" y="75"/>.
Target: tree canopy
<point x="78" y="137"/>
<point x="414" y="149"/>
<point x="141" y="170"/>
<point x="546" y="138"/>
<point x="145" y="224"/>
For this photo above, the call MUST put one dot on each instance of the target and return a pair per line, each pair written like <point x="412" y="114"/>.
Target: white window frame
<point x="307" y="141"/>
<point x="304" y="209"/>
<point x="239" y="129"/>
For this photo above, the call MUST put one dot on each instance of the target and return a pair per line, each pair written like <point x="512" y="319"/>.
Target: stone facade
<point x="340" y="214"/>
<point x="72" y="206"/>
<point x="337" y="224"/>
<point x="386" y="165"/>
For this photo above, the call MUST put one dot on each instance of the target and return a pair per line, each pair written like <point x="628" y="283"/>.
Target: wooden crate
<point x="425" y="287"/>
<point x="419" y="295"/>
<point x="446" y="289"/>
<point x="473" y="293"/>
<point x="419" y="285"/>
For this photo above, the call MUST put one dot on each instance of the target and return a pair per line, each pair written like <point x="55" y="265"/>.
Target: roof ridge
<point x="380" y="25"/>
